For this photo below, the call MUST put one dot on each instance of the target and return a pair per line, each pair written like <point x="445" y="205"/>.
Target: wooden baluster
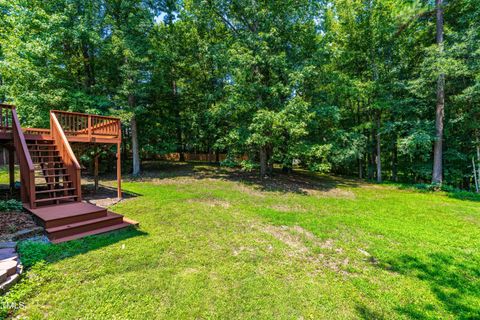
<point x="89" y="128"/>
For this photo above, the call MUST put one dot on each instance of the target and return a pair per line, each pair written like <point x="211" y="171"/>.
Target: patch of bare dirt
<point x="299" y="182"/>
<point x="301" y="242"/>
<point x="105" y="196"/>
<point x="211" y="202"/>
<point x="12" y="222"/>
<point x="292" y="240"/>
<point x="331" y="193"/>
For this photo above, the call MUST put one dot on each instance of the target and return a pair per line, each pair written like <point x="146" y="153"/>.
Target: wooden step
<point x="54" y="190"/>
<point x="41" y="150"/>
<point x="109" y="220"/>
<point x="55" y="199"/>
<point x="50" y="168"/>
<point x="37" y="146"/>
<point x="54" y="182"/>
<point x="53" y="175"/>
<point x="93" y="232"/>
<point x="49" y="145"/>
<point x="45" y="151"/>
<point x="49" y="156"/>
<point x="66" y="213"/>
<point x="49" y="162"/>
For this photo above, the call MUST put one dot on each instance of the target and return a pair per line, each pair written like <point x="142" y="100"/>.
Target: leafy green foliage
<point x="340" y="87"/>
<point x="290" y="246"/>
<point x="10" y="205"/>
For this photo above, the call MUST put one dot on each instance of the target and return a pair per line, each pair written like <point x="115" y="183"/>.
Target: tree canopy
<point x="344" y="86"/>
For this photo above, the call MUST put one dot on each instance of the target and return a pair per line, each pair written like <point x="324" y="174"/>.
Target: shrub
<point x="229" y="163"/>
<point x="248" y="165"/>
<point x="10" y="205"/>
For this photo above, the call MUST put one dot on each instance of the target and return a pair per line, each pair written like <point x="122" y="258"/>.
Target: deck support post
<point x="11" y="168"/>
<point x="95" y="171"/>
<point x="119" y="170"/>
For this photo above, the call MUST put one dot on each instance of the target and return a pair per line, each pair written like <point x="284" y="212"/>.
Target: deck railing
<point x="6" y="120"/>
<point x="88" y="125"/>
<point x="27" y="170"/>
<point x="65" y="151"/>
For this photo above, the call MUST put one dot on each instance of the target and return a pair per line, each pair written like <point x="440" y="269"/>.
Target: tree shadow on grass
<point x="36" y="255"/>
<point x="455" y="283"/>
<point x="105" y="196"/>
<point x="33" y="252"/>
<point x="366" y="313"/>
<point x="464" y="195"/>
<point x="299" y="181"/>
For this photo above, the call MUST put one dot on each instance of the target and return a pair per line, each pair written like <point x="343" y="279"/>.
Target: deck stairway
<point x="53" y="184"/>
<point x="50" y="173"/>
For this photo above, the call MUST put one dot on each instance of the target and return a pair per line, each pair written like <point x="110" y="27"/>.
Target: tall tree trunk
<point x="440" y="109"/>
<point x="136" y="156"/>
<point x="360" y="157"/>
<point x="178" y="122"/>
<point x="133" y="125"/>
<point x="378" y="155"/>
<point x="88" y="67"/>
<point x="395" y="161"/>
<point x="360" y="169"/>
<point x="125" y="138"/>
<point x="269" y="163"/>
<point x="263" y="161"/>
<point x="373" y="155"/>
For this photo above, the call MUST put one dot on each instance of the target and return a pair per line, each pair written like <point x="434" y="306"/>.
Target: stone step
<point x="10" y="266"/>
<point x="5" y="257"/>
<point x="4" y="287"/>
<point x="6" y="251"/>
<point x="8" y="245"/>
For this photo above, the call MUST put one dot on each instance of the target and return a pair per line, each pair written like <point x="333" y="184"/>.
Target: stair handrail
<point x="66" y="152"/>
<point x="27" y="170"/>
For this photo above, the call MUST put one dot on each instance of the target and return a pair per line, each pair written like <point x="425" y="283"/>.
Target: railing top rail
<point x="22" y="141"/>
<point x="64" y="140"/>
<point x="6" y="105"/>
<point x="85" y="114"/>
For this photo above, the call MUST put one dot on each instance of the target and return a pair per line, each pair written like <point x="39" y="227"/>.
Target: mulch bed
<point x="12" y="222"/>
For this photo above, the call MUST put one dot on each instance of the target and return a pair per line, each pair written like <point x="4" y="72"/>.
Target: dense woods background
<point x="355" y="87"/>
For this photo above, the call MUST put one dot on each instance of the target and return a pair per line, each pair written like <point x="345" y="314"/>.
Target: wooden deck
<point x="50" y="172"/>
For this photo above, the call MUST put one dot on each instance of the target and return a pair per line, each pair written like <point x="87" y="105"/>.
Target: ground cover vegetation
<point x="220" y="243"/>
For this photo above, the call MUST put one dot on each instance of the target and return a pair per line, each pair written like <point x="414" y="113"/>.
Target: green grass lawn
<point x="216" y="244"/>
<point x="4" y="177"/>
